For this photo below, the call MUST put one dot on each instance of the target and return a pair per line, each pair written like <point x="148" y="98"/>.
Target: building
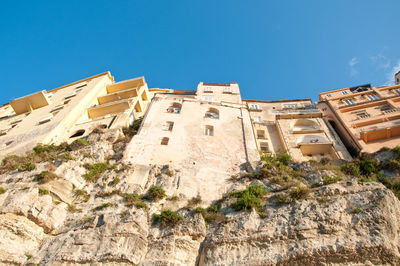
<point x="206" y="136"/>
<point x="70" y="111"/>
<point x="296" y="127"/>
<point x="366" y="118"/>
<point x="397" y="78"/>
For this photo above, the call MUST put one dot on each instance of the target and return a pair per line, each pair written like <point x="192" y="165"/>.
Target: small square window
<point x="164" y="141"/>
<point x="344" y="92"/>
<point x="207" y="98"/>
<point x="257" y="119"/>
<point x="209" y="131"/>
<point x="254" y="106"/>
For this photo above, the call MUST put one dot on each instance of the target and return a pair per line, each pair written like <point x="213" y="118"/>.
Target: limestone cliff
<point x="81" y="206"/>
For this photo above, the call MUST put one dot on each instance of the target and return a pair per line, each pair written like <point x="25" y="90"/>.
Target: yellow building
<point x="296" y="127"/>
<point x="366" y="118"/>
<point x="71" y="111"/>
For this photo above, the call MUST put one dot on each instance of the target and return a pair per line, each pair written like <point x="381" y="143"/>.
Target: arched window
<point x="78" y="133"/>
<point x="212" y="113"/>
<point x="209" y="131"/>
<point x="164" y="141"/>
<point x="175" y="108"/>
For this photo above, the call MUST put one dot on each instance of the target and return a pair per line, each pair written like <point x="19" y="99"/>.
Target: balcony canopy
<point x="30" y="102"/>
<point x="126" y="84"/>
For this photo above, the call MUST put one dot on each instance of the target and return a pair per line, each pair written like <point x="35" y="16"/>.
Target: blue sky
<point x="273" y="49"/>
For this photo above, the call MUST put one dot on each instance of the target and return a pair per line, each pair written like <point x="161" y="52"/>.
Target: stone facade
<point x="205" y="136"/>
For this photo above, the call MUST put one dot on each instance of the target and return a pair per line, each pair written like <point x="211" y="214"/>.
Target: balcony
<point x="298" y="113"/>
<point x="127" y="84"/>
<point x="380" y="131"/>
<point x="117" y="96"/>
<point x="315" y="144"/>
<point x="109" y="108"/>
<point x="30" y="102"/>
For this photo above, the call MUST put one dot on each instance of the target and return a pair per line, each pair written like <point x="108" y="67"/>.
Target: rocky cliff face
<point x="80" y="216"/>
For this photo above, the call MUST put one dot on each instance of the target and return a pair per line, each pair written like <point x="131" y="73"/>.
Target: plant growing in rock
<point x="43" y="192"/>
<point x="133" y="199"/>
<point x="299" y="193"/>
<point x="95" y="171"/>
<point x="155" y="193"/>
<point x="27" y="166"/>
<point x="115" y="181"/>
<point x="45" y="176"/>
<point x="73" y="209"/>
<point x="194" y="201"/>
<point x="167" y="218"/>
<point x="103" y="206"/>
<point x="249" y="198"/>
<point x="80" y="193"/>
<point x="283" y="199"/>
<point x="2" y="190"/>
<point x="330" y="180"/>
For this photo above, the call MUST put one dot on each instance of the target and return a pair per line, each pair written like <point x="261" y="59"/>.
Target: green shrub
<point x="284" y="158"/>
<point x="72" y="208"/>
<point x="95" y="171"/>
<point x="45" y="176"/>
<point x="299" y="193"/>
<point x="134" y="199"/>
<point x="103" y="206"/>
<point x="108" y="193"/>
<point x="249" y="198"/>
<point x="43" y="192"/>
<point x="27" y="166"/>
<point x="167" y="218"/>
<point x="392" y="165"/>
<point x="202" y="211"/>
<point x="77" y="144"/>
<point x="169" y="172"/>
<point x="2" y="190"/>
<point x="45" y="148"/>
<point x="397" y="151"/>
<point x="351" y="168"/>
<point x="330" y="180"/>
<point x="87" y="220"/>
<point x="155" y="193"/>
<point x="80" y="193"/>
<point x="356" y="210"/>
<point x="115" y="181"/>
<point x="324" y="160"/>
<point x="124" y="213"/>
<point x="368" y="165"/>
<point x="173" y="198"/>
<point x="194" y="201"/>
<point x="283" y="199"/>
<point x="213" y="208"/>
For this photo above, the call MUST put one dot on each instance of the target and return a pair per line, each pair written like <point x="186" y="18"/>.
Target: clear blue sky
<point x="273" y="49"/>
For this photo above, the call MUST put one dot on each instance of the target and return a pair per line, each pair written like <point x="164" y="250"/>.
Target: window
<point x="45" y="119"/>
<point x="264" y="146"/>
<point x="78" y="133"/>
<point x="164" y="141"/>
<point x="362" y="114"/>
<point x="212" y="113"/>
<point x="207" y="98"/>
<point x="175" y="108"/>
<point x="257" y="119"/>
<point x="344" y="92"/>
<point x="208" y="89"/>
<point x="349" y="101"/>
<point x="4" y="132"/>
<point x="260" y="134"/>
<point x="385" y="107"/>
<point x="227" y="90"/>
<point x="209" y="131"/>
<point x="254" y="106"/>
<point x="67" y="101"/>
<point x="168" y="126"/>
<point x="70" y="96"/>
<point x="373" y="97"/>
<point x="329" y="95"/>
<point x="290" y="106"/>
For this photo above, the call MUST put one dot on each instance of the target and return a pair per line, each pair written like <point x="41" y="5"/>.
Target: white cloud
<point x="390" y="75"/>
<point x="380" y="61"/>
<point x="352" y="63"/>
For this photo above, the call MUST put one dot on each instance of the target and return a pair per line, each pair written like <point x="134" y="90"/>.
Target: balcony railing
<point x="391" y="110"/>
<point x="306" y="111"/>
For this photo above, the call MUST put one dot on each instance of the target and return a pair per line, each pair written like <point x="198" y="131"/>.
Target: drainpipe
<point x="244" y="143"/>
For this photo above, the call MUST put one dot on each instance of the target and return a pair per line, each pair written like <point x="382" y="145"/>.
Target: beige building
<point x="296" y="127"/>
<point x="366" y="118"/>
<point x="206" y="136"/>
<point x="70" y="111"/>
